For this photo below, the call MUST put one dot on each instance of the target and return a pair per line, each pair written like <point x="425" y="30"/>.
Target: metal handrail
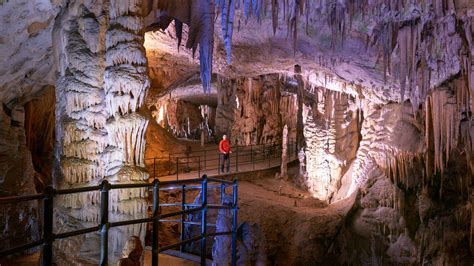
<point x="214" y="149"/>
<point x="49" y="236"/>
<point x="206" y="162"/>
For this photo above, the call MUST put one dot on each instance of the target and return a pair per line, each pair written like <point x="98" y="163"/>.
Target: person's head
<point x="224" y="137"/>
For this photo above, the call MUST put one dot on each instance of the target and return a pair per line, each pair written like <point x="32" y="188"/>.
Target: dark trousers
<point x="225" y="159"/>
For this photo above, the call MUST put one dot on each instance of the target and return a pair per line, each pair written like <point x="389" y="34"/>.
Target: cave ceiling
<point x="339" y="49"/>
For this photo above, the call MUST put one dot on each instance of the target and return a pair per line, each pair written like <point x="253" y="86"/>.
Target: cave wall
<point x="182" y="118"/>
<point x="39" y="130"/>
<point x="408" y="212"/>
<point x="252" y="110"/>
<point x="19" y="223"/>
<point x="414" y="48"/>
<point x="160" y="145"/>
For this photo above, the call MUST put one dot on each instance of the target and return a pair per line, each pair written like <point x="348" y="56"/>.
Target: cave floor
<point x="34" y="259"/>
<point x="286" y="195"/>
<point x="295" y="227"/>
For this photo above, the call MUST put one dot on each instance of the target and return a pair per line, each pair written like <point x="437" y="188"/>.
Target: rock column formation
<point x="99" y="134"/>
<point x="331" y="136"/>
<point x="126" y="83"/>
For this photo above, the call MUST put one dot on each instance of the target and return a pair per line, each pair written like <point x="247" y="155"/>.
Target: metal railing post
<point x="203" y="219"/>
<point x="187" y="164"/>
<point x="269" y="157"/>
<point x="234" y="222"/>
<point x="296" y="148"/>
<point x="47" y="257"/>
<point x="169" y="164"/>
<point x="205" y="165"/>
<point x="251" y="156"/>
<point x="222" y="193"/>
<point x="156" y="223"/>
<point x="177" y="168"/>
<point x="237" y="159"/>
<point x="219" y="164"/>
<point x="104" y="222"/>
<point x="183" y="216"/>
<point x="199" y="167"/>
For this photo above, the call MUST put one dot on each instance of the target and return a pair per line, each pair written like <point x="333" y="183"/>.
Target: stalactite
<point x="205" y="38"/>
<point x="178" y="25"/>
<point x="227" y="17"/>
<point x="336" y="21"/>
<point x="445" y="108"/>
<point x="274" y="15"/>
<point x="293" y="21"/>
<point x="399" y="168"/>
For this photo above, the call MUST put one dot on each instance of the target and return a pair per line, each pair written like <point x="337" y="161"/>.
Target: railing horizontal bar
<point x="170" y="204"/>
<point x="196" y="238"/>
<point x="11" y="251"/>
<point x="78" y="232"/>
<point x="132" y="185"/>
<point x="179" y="204"/>
<point x="190" y="223"/>
<point x="170" y="221"/>
<point x="76" y="190"/>
<point x="187" y="187"/>
<point x="219" y="233"/>
<point x="16" y="199"/>
<point x="136" y="221"/>
<point x="171" y="214"/>
<point x="199" y="224"/>
<point x="180" y="182"/>
<point x="218" y="207"/>
<point x="211" y="179"/>
<point x="241" y="148"/>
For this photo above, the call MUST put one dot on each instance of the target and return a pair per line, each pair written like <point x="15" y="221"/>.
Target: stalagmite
<point x="100" y="136"/>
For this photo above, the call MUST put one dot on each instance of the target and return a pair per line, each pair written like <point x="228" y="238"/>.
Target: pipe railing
<point x="103" y="228"/>
<point x="207" y="160"/>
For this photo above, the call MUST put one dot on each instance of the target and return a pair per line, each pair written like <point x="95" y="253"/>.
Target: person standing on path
<point x="224" y="148"/>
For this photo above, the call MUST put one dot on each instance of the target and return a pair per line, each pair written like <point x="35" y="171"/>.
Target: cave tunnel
<point x="229" y="132"/>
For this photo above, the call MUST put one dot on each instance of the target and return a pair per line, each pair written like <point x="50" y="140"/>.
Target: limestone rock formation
<point x="132" y="252"/>
<point x="103" y="81"/>
<point x="253" y="110"/>
<point x="331" y="131"/>
<point x="20" y="223"/>
<point x="379" y="94"/>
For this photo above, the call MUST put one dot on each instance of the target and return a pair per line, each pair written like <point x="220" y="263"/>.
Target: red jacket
<point x="224" y="146"/>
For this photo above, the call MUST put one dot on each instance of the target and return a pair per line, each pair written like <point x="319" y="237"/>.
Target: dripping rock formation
<point x="372" y="102"/>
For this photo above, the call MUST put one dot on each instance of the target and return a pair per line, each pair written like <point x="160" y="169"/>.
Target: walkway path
<point x="206" y="161"/>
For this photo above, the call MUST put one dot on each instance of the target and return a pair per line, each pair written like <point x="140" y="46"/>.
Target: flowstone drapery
<point x="99" y="134"/>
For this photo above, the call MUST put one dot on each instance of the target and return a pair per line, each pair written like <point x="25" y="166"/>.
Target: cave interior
<point x="350" y="124"/>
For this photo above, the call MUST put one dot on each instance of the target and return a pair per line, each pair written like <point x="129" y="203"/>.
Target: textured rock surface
<point x="331" y="131"/>
<point x="39" y="129"/>
<point x="396" y="74"/>
<point x="253" y="110"/>
<point x="19" y="223"/>
<point x="26" y="47"/>
<point x="100" y="136"/>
